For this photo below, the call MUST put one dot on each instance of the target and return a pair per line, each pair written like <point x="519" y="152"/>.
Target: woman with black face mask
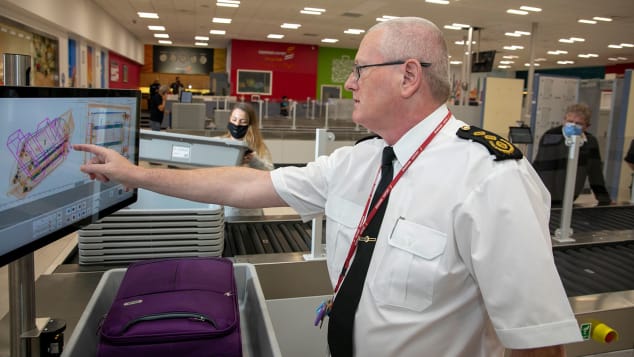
<point x="243" y="126"/>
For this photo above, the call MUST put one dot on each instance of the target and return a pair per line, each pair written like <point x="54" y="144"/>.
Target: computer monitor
<point x="520" y="135"/>
<point x="186" y="97"/>
<point x="44" y="194"/>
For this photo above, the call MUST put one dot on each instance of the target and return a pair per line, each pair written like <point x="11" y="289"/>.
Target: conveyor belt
<point x="592" y="219"/>
<point x="594" y="269"/>
<point x="245" y="238"/>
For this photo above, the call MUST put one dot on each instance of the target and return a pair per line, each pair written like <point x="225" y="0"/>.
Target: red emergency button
<point x="604" y="333"/>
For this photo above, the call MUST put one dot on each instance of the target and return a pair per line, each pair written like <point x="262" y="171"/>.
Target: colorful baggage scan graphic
<point x="39" y="153"/>
<point x="110" y="126"/>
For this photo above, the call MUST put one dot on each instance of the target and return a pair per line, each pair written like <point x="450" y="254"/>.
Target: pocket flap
<point x="417" y="239"/>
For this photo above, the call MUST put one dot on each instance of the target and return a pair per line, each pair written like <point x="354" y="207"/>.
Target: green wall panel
<point x="333" y="67"/>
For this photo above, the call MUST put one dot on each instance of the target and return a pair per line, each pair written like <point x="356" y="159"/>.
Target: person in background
<point x="629" y="158"/>
<point x="157" y="107"/>
<point x="552" y="159"/>
<point x="154" y="87"/>
<point x="284" y="106"/>
<point x="176" y="86"/>
<point x="459" y="264"/>
<point x="243" y="126"/>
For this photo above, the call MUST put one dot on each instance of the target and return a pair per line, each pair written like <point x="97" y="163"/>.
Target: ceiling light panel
<point x="201" y="38"/>
<point x="201" y="44"/>
<point x="517" y="12"/>
<point x="156" y="28"/>
<point x="148" y="15"/>
<point x="290" y="26"/>
<point x="221" y="20"/>
<point x="275" y="36"/>
<point x="217" y="32"/>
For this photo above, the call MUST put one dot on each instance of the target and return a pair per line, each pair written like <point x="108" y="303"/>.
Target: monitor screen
<point x="520" y="135"/>
<point x="186" y="97"/>
<point x="482" y="61"/>
<point x="44" y="194"/>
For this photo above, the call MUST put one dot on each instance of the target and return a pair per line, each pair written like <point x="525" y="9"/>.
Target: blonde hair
<point x="253" y="137"/>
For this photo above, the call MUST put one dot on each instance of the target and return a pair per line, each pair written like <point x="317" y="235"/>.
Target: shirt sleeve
<point x="503" y="237"/>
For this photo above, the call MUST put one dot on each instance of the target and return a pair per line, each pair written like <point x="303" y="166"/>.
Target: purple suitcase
<point x="174" y="307"/>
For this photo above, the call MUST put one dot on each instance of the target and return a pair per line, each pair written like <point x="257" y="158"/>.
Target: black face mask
<point x="237" y="131"/>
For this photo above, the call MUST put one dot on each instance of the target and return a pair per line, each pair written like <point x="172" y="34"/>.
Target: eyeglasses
<point x="357" y="69"/>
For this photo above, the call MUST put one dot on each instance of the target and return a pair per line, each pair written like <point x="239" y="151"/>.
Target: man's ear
<point x="412" y="78"/>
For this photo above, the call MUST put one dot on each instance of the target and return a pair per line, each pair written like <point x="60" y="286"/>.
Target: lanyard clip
<point x="367" y="239"/>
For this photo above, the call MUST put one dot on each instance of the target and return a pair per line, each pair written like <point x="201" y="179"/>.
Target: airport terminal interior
<point x="89" y="71"/>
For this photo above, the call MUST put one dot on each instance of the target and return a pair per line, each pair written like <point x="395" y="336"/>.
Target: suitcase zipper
<point x="170" y="315"/>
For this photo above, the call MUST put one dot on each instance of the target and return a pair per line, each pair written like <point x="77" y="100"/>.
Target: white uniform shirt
<point x="463" y="263"/>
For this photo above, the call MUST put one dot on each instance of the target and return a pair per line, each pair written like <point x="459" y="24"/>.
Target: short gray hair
<point x="415" y="37"/>
<point x="163" y="89"/>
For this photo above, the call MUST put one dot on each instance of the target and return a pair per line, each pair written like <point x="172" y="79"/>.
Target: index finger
<point x="91" y="148"/>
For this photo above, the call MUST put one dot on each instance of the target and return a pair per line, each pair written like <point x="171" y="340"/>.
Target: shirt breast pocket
<point x="342" y="219"/>
<point x="406" y="272"/>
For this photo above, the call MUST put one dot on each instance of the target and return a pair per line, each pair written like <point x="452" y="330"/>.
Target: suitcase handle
<point x="170" y="315"/>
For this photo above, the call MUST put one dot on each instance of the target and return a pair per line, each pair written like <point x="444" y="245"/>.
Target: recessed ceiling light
<point x="161" y="35"/>
<point x="584" y="21"/>
<point x="464" y="26"/>
<point x="512" y="34"/>
<point x="156" y="28"/>
<point x="201" y="44"/>
<point x="354" y="31"/>
<point x="221" y="20"/>
<point x="275" y="36"/>
<point x="510" y="56"/>
<point x="330" y="40"/>
<point x="534" y="64"/>
<point x="565" y="62"/>
<point x="201" y="38"/>
<point x="440" y="2"/>
<point x="290" y="26"/>
<point x="455" y="62"/>
<point x="600" y="18"/>
<point x="228" y="3"/>
<point x="504" y="67"/>
<point x="217" y="32"/>
<point x="517" y="12"/>
<point x="312" y="11"/>
<point x="557" y="52"/>
<point x="385" y="18"/>
<point x="452" y="27"/>
<point x="530" y="8"/>
<point x="166" y="42"/>
<point x="507" y="62"/>
<point x="148" y="15"/>
<point x="627" y="45"/>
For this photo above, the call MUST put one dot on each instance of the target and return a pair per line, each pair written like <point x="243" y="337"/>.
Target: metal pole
<point x="16" y="71"/>
<point x="564" y="233"/>
<point x="312" y="111"/>
<point x="293" y="104"/>
<point x="467" y="71"/>
<point x="526" y="115"/>
<point x="266" y="108"/>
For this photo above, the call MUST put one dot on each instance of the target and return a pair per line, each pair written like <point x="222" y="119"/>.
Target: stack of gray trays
<point x="156" y="226"/>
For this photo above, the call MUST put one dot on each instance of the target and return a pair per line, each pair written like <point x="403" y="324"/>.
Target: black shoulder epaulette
<point x="367" y="138"/>
<point x="500" y="147"/>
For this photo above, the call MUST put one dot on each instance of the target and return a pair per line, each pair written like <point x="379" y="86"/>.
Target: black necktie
<point x="341" y="320"/>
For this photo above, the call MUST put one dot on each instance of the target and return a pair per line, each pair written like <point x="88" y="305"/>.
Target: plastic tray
<point x="258" y="336"/>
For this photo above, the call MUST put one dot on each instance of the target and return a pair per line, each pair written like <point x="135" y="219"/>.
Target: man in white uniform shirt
<point x="463" y="264"/>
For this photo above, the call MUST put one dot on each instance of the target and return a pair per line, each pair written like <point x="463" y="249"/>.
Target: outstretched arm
<point x="236" y="186"/>
<point x="551" y="351"/>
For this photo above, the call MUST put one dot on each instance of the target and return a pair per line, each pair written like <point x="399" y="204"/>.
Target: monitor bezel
<point x="51" y="92"/>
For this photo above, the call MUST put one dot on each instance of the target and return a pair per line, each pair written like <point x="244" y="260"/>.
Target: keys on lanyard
<point x="322" y="311"/>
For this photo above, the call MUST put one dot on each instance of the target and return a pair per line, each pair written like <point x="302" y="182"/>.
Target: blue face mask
<point x="237" y="131"/>
<point x="571" y="129"/>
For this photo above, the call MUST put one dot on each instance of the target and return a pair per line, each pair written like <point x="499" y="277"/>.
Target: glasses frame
<point x="357" y="68"/>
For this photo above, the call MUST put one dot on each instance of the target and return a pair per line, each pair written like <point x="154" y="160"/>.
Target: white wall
<point x="82" y="18"/>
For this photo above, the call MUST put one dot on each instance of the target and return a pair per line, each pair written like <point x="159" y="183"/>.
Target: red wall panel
<point x="294" y="67"/>
<point x="133" y="75"/>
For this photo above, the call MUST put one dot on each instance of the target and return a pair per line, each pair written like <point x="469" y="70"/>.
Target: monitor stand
<point x="21" y="303"/>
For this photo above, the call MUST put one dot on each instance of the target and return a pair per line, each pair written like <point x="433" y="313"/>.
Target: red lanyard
<point x="365" y="220"/>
